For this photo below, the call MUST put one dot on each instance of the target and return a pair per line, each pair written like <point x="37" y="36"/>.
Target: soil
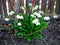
<point x="51" y="36"/>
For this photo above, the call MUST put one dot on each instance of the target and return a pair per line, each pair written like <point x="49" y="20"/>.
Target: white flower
<point x="55" y="16"/>
<point x="37" y="14"/>
<point x="19" y="17"/>
<point x="32" y="15"/>
<point x="36" y="7"/>
<point x="30" y="4"/>
<point x="41" y="12"/>
<point x="35" y="21"/>
<point x="19" y="24"/>
<point x="46" y="18"/>
<point x="6" y="19"/>
<point x="11" y="13"/>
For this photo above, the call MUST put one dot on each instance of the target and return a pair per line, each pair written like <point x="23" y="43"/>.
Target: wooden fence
<point x="48" y="6"/>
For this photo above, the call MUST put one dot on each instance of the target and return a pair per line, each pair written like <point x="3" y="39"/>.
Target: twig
<point x="7" y="6"/>
<point x="2" y="9"/>
<point x="13" y="40"/>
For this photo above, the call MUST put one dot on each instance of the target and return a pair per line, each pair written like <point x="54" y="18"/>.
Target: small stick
<point x="11" y="4"/>
<point x="2" y="9"/>
<point x="47" y="6"/>
<point x="25" y="6"/>
<point x="13" y="40"/>
<point x="33" y="4"/>
<point x="40" y="5"/>
<point x="7" y="6"/>
<point x="54" y="8"/>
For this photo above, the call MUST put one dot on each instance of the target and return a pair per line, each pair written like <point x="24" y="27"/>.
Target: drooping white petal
<point x="36" y="7"/>
<point x="55" y="16"/>
<point x="46" y="18"/>
<point x="32" y="15"/>
<point x="11" y="13"/>
<point x="37" y="14"/>
<point x="6" y="19"/>
<point x="19" y="24"/>
<point x="41" y="12"/>
<point x="30" y="4"/>
<point x="35" y="21"/>
<point x="19" y="17"/>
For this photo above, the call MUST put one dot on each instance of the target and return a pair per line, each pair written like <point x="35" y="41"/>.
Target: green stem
<point x="35" y="32"/>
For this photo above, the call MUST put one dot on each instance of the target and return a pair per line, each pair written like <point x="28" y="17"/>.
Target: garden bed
<point x="51" y="36"/>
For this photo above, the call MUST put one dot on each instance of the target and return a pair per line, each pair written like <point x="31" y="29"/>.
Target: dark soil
<point x="51" y="36"/>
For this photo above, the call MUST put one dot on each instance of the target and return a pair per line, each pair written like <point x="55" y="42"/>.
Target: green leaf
<point x="21" y="33"/>
<point x="31" y="24"/>
<point x="28" y="38"/>
<point x="29" y="30"/>
<point x="37" y="35"/>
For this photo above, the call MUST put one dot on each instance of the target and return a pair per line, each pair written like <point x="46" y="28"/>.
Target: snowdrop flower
<point x="30" y="4"/>
<point x="41" y="12"/>
<point x="47" y="18"/>
<point x="6" y="19"/>
<point x="36" y="7"/>
<point x="19" y="17"/>
<point x="55" y="16"/>
<point x="35" y="21"/>
<point x="37" y="14"/>
<point x="19" y="24"/>
<point x="11" y="13"/>
<point x="32" y="15"/>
